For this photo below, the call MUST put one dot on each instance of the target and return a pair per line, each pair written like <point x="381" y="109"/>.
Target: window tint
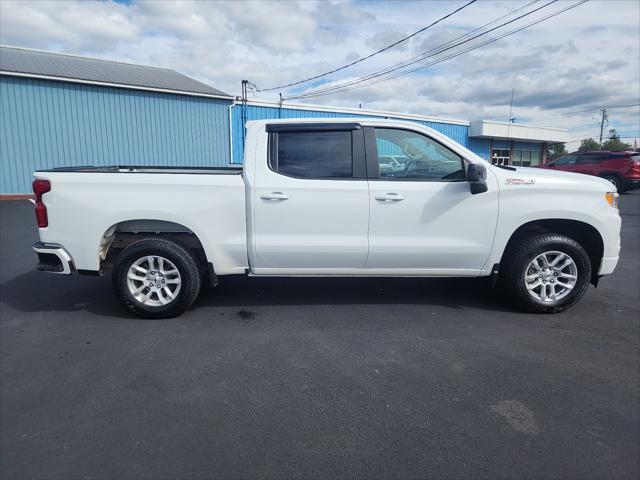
<point x="403" y="154"/>
<point x="535" y="158"/>
<point x="566" y="160"/>
<point x="314" y="154"/>
<point x="525" y="158"/>
<point x="588" y="159"/>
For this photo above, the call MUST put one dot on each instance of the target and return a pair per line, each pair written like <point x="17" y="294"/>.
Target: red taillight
<point x="40" y="187"/>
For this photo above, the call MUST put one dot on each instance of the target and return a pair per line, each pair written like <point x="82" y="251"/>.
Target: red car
<point x="622" y="169"/>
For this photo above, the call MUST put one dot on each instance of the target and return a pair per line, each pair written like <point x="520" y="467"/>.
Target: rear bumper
<point x="631" y="183"/>
<point x="53" y="258"/>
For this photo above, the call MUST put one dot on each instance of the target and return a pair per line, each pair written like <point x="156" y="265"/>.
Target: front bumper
<point x="607" y="265"/>
<point x="53" y="258"/>
<point x="631" y="183"/>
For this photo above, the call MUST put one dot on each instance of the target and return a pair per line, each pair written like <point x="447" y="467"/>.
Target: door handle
<point x="275" y="196"/>
<point x="389" y="197"/>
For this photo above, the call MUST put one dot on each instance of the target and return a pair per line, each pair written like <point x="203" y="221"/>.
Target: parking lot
<point x="316" y="378"/>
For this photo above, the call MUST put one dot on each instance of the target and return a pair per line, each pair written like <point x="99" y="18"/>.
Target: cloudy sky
<point x="562" y="70"/>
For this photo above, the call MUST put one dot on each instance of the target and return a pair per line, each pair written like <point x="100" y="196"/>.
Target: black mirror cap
<point x="478" y="187"/>
<point x="476" y="172"/>
<point x="477" y="178"/>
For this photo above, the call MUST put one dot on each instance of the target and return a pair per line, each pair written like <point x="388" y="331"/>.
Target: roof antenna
<point x="511" y="119"/>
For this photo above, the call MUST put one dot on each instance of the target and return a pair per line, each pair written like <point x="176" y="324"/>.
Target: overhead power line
<point x="398" y="42"/>
<point x="578" y="139"/>
<point x="358" y="83"/>
<point x="625" y="106"/>
<point x="593" y="109"/>
<point x="436" y="50"/>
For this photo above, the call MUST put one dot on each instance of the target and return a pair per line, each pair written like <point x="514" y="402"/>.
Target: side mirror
<point x="477" y="178"/>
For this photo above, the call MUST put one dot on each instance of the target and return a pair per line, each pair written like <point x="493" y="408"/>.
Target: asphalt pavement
<point x="315" y="378"/>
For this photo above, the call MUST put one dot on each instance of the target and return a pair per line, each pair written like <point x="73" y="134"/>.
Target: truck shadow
<point x="94" y="294"/>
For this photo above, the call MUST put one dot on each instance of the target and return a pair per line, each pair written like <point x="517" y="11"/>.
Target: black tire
<point x="176" y="254"/>
<point x="615" y="180"/>
<point x="517" y="259"/>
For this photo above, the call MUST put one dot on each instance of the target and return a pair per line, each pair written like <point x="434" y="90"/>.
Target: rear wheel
<point x="615" y="181"/>
<point x="156" y="278"/>
<point x="546" y="274"/>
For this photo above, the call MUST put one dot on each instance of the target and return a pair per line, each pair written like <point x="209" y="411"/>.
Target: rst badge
<point x="520" y="181"/>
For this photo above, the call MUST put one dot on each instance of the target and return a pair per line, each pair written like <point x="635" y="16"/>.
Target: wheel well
<point x="119" y="236"/>
<point x="610" y="174"/>
<point x="581" y="232"/>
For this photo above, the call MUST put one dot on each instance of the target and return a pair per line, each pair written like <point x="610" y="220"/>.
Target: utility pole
<point x="604" y="117"/>
<point x="243" y="112"/>
<point x="510" y="121"/>
<point x="245" y="85"/>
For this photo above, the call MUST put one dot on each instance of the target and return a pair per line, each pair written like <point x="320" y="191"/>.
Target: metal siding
<point x="46" y="124"/>
<point x="481" y="147"/>
<point x="500" y="144"/>
<point x="459" y="133"/>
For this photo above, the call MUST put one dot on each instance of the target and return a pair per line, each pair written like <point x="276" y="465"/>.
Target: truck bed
<point x="85" y="205"/>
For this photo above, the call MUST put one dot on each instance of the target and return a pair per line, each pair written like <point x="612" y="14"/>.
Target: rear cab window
<point x="308" y="152"/>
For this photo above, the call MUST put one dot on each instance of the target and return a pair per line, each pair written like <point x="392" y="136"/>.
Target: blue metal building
<point x="63" y="110"/>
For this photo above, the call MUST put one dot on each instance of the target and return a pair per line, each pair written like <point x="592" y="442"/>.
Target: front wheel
<point x="615" y="181"/>
<point x="156" y="278"/>
<point x="546" y="273"/>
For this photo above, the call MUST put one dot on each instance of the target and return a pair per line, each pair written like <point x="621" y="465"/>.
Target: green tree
<point x="614" y="142"/>
<point x="588" y="144"/>
<point x="556" y="150"/>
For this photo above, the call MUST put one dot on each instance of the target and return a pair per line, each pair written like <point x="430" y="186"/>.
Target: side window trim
<point x="373" y="167"/>
<point x="272" y="149"/>
<point x="371" y="153"/>
<point x="358" y="163"/>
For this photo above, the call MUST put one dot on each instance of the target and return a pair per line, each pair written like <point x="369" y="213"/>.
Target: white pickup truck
<point x="330" y="197"/>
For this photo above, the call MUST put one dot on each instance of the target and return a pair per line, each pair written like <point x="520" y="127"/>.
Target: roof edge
<point x="113" y="85"/>
<point x="517" y="131"/>
<point x="75" y="55"/>
<point x="361" y="111"/>
<point x="528" y="125"/>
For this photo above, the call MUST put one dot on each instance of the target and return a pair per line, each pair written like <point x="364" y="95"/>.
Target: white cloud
<point x="380" y="40"/>
<point x="71" y="25"/>
<point x="583" y="58"/>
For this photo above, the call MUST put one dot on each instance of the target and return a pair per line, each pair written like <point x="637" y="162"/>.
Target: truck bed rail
<point x="229" y="170"/>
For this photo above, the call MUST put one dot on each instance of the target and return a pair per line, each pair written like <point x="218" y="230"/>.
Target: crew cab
<point x="622" y="169"/>
<point x="330" y="197"/>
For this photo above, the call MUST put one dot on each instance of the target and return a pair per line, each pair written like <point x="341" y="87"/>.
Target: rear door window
<point x="322" y="154"/>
